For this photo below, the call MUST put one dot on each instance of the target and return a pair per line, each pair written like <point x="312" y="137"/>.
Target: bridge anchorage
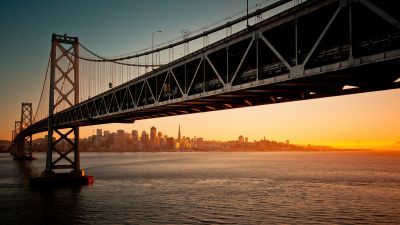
<point x="63" y="169"/>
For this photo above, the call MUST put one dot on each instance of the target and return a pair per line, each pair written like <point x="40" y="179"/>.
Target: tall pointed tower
<point x="179" y="134"/>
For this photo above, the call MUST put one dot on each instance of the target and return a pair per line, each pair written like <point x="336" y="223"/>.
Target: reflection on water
<point x="276" y="187"/>
<point x="25" y="170"/>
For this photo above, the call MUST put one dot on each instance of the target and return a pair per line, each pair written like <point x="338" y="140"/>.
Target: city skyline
<point x="152" y="135"/>
<point x="157" y="141"/>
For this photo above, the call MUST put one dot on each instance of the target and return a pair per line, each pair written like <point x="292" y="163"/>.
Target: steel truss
<point x="310" y="51"/>
<point x="60" y="141"/>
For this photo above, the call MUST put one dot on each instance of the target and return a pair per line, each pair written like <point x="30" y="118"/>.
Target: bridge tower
<point x="15" y="132"/>
<point x="24" y="143"/>
<point x="64" y="68"/>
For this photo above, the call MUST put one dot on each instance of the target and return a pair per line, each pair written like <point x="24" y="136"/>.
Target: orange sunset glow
<point x="357" y="121"/>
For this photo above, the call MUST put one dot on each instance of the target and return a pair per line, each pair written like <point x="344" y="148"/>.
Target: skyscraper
<point x="120" y="140"/>
<point x="160" y="140"/>
<point x="135" y="139"/>
<point x="144" y="139"/>
<point x="99" y="132"/>
<point x="179" y="134"/>
<point x="106" y="133"/>
<point x="153" y="137"/>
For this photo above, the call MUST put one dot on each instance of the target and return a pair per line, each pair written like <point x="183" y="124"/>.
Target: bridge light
<point x="196" y="110"/>
<point x="248" y="102"/>
<point x="347" y="87"/>
<point x="110" y="85"/>
<point x="228" y="106"/>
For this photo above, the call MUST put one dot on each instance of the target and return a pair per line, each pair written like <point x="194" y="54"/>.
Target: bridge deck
<point x="313" y="50"/>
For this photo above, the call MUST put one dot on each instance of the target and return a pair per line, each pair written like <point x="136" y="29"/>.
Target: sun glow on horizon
<point x="364" y="121"/>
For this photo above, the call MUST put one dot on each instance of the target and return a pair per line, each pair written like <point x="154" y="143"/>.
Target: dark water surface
<point x="176" y="188"/>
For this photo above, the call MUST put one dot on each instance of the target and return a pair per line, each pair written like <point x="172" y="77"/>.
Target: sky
<point x="111" y="28"/>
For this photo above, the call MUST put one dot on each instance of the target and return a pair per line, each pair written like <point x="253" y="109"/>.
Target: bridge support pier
<point x="63" y="142"/>
<point x="24" y="149"/>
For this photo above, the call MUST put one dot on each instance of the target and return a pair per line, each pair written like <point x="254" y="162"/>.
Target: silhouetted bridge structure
<point x="311" y="50"/>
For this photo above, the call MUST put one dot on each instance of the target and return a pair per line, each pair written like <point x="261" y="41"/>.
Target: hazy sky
<point x="118" y="27"/>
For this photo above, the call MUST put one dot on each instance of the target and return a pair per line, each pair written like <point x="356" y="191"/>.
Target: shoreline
<point x="250" y="151"/>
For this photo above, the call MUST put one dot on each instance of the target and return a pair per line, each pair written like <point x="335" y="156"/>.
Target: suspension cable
<point x="184" y="40"/>
<point x="44" y="84"/>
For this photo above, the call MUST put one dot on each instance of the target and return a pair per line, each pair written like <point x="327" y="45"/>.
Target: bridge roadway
<point x="314" y="50"/>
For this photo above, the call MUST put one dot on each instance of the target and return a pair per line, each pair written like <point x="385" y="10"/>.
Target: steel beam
<point x="378" y="11"/>
<point x="273" y="49"/>
<point x="241" y="61"/>
<point x="322" y="35"/>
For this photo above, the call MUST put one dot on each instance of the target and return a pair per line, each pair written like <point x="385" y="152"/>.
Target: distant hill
<point x="4" y="145"/>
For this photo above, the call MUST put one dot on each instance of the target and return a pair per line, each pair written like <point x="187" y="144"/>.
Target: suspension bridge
<point x="286" y="51"/>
